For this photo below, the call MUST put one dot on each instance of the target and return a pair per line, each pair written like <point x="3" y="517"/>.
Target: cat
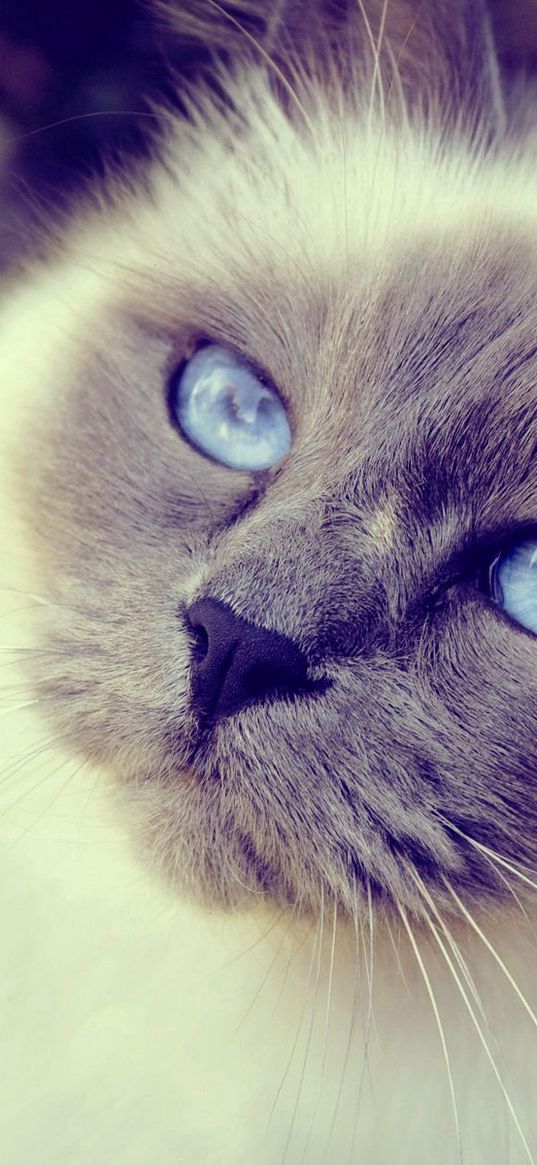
<point x="268" y="745"/>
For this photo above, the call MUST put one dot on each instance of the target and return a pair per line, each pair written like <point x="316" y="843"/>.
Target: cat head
<point x="282" y="444"/>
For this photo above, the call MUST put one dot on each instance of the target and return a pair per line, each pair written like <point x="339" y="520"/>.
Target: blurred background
<point x="79" y="82"/>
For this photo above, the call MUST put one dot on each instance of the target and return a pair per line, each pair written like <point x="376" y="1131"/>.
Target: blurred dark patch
<point x="78" y="83"/>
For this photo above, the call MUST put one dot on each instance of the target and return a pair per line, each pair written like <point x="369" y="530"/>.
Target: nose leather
<point x="235" y="662"/>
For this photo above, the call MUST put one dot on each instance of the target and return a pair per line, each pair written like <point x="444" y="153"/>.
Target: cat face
<point x="298" y="673"/>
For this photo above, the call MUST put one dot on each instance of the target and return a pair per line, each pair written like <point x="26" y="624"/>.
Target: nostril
<point x="235" y="662"/>
<point x="200" y="638"/>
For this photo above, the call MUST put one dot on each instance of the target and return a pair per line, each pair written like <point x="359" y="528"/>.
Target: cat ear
<point x="413" y="47"/>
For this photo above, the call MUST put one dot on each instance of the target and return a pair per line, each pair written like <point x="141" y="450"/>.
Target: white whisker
<point x="326" y="1030"/>
<point x="495" y="857"/>
<point x="439" y="1024"/>
<point x="27" y="793"/>
<point x="28" y="595"/>
<point x="59" y="793"/>
<point x="396" y="953"/>
<point x="23" y="758"/>
<point x="18" y="707"/>
<point x="318" y="942"/>
<point x="252" y="946"/>
<point x="309" y="1035"/>
<point x="329" y="990"/>
<point x="369" y="964"/>
<point x="265" y="977"/>
<point x="352" y="1025"/>
<point x="18" y="649"/>
<point x="296" y="946"/>
<point x="369" y="971"/>
<point x="457" y="953"/>
<point x="492" y="950"/>
<point x="499" y="874"/>
<point x="481" y="1037"/>
<point x="19" y="610"/>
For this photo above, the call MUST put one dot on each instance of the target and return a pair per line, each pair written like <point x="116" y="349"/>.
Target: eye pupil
<point x="241" y="410"/>
<point x="232" y="405"/>
<point x="223" y="409"/>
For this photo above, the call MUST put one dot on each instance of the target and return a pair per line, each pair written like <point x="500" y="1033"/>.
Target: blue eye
<point x="513" y="583"/>
<point x="228" y="413"/>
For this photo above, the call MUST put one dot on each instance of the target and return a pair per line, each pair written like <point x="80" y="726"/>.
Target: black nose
<point x="236" y="662"/>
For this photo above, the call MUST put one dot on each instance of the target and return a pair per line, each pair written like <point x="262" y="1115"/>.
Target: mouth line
<point x="202" y="745"/>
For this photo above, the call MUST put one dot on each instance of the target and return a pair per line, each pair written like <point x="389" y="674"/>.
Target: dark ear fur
<point x="445" y="48"/>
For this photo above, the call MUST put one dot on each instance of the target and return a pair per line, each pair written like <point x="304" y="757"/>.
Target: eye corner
<point x="475" y="570"/>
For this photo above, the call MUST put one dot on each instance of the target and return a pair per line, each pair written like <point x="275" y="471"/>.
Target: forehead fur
<point x="248" y="189"/>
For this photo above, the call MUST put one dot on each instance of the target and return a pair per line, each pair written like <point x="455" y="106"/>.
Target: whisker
<point x="396" y="83"/>
<point x="507" y="865"/>
<point x="13" y="647"/>
<point x="481" y="1037"/>
<point x="27" y="594"/>
<point x="369" y="972"/>
<point x="326" y="1029"/>
<point x="80" y="117"/>
<point x="296" y="946"/>
<point x="27" y="793"/>
<point x="30" y="754"/>
<point x="465" y="970"/>
<point x="346" y="1058"/>
<point x="329" y="989"/>
<point x="18" y="610"/>
<point x="377" y="81"/>
<point x="18" y="707"/>
<point x="43" y="812"/>
<point x="371" y="966"/>
<point x="266" y="976"/>
<point x="309" y="1035"/>
<point x="512" y="891"/>
<point x="493" y="951"/>
<point x="318" y="940"/>
<point x="252" y="946"/>
<point x="396" y="953"/>
<point x="495" y="857"/>
<point x="439" y="1024"/>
